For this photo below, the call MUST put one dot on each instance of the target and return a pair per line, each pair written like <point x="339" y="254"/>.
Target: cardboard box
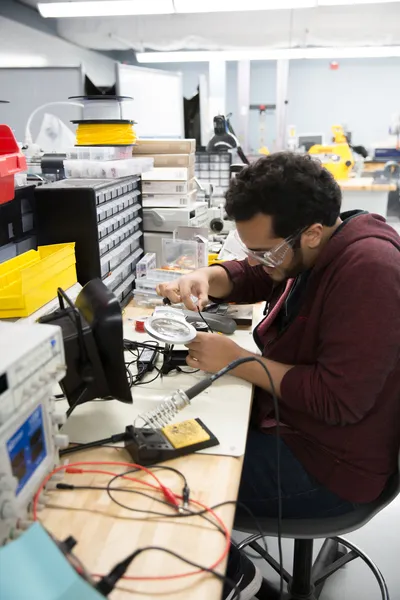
<point x="169" y="174"/>
<point x="172" y="160"/>
<point x="169" y="201"/>
<point x="164" y="147"/>
<point x="168" y="187"/>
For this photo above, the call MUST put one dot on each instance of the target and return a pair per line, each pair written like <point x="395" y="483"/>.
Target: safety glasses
<point x="271" y="258"/>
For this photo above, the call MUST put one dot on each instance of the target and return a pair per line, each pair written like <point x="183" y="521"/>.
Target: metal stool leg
<point x="301" y="587"/>
<point x="354" y="553"/>
<point x="326" y="556"/>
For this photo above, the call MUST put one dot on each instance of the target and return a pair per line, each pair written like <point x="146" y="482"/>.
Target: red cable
<point x="168" y="494"/>
<point x="70" y="467"/>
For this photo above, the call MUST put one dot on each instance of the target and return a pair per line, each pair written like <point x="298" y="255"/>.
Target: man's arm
<point x="234" y="281"/>
<point x="359" y="345"/>
<point x="255" y="374"/>
<point x="219" y="282"/>
<point x="359" y="340"/>
<point x="249" y="284"/>
<point x="211" y="352"/>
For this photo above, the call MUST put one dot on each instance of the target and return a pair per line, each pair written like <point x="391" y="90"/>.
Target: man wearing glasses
<point x="330" y="338"/>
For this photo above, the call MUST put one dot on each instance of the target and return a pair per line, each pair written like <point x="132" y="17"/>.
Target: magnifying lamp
<point x="169" y="325"/>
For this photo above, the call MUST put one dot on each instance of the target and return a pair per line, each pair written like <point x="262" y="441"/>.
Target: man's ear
<point x="313" y="236"/>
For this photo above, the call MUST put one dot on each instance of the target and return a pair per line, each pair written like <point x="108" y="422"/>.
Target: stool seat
<point x="309" y="576"/>
<point x="322" y="528"/>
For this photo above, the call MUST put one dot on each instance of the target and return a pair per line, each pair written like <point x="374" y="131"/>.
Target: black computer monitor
<point x="93" y="343"/>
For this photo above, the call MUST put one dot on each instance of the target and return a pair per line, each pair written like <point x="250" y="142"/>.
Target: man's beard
<point x="296" y="267"/>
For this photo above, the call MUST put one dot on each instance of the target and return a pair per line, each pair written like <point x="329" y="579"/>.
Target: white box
<point x="172" y="160"/>
<point x="157" y="146"/>
<point x="168" y="187"/>
<point x="168" y="219"/>
<point x="166" y="200"/>
<point x="169" y="174"/>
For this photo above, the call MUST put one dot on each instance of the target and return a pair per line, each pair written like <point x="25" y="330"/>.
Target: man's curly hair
<point x="294" y="189"/>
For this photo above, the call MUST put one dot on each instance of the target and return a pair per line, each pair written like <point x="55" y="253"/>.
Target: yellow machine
<point x="338" y="157"/>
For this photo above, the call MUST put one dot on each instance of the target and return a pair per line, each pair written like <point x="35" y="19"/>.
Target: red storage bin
<point x="11" y="161"/>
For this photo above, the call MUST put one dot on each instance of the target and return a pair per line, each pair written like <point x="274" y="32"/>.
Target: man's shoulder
<point x="372" y="250"/>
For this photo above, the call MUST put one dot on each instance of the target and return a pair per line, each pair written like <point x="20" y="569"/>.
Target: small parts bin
<point x="11" y="161"/>
<point x="29" y="281"/>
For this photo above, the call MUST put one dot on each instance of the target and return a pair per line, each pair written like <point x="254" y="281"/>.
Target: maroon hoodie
<point x="340" y="404"/>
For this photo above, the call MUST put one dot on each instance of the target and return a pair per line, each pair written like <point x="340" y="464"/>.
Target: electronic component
<point x="173" y="359"/>
<point x="31" y="363"/>
<point x="152" y="446"/>
<point x="216" y="322"/>
<point x="157" y="442"/>
<point x="146" y="361"/>
<point x="242" y="314"/>
<point x="216" y="309"/>
<point x="93" y="338"/>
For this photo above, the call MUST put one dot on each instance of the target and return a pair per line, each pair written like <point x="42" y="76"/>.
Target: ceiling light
<point x="22" y="60"/>
<point x="270" y="54"/>
<point x="211" y="6"/>
<point x="105" y="8"/>
<point x="351" y="2"/>
<point x="119" y="8"/>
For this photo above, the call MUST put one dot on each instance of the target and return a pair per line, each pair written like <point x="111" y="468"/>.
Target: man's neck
<point x="326" y="236"/>
<point x="329" y="231"/>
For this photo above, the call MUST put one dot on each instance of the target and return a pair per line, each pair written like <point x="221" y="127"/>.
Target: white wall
<point x="18" y="43"/>
<point x="190" y="74"/>
<point x="362" y="93"/>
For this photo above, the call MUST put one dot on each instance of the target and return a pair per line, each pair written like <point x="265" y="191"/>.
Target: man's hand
<point x="211" y="352"/>
<point x="181" y="290"/>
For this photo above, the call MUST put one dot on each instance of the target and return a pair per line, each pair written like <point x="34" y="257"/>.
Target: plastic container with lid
<point x="179" y="254"/>
<point x="148" y="283"/>
<point x="105" y="169"/>
<point x="99" y="153"/>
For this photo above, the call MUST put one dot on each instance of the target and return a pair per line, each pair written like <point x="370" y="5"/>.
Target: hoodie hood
<point x="358" y="225"/>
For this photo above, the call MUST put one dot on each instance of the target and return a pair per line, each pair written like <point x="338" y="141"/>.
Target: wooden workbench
<point x="362" y="193"/>
<point x="107" y="533"/>
<point x="365" y="184"/>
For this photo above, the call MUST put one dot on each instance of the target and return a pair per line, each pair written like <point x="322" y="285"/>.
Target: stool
<point x="307" y="579"/>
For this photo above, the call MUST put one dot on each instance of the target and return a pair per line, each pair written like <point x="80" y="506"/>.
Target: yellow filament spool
<point x="105" y="134"/>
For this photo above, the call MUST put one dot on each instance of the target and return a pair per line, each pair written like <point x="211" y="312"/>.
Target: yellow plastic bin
<point x="213" y="259"/>
<point x="30" y="280"/>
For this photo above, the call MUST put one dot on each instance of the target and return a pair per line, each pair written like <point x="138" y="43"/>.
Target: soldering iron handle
<point x="198" y="387"/>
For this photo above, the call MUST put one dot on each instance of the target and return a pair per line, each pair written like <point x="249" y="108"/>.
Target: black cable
<point x="204" y="320"/>
<point x="108" y="583"/>
<point x="213" y="378"/>
<point x="199" y="387"/>
<point x="132" y="347"/>
<point x="130" y="376"/>
<point x="159" y="372"/>
<point x="113" y="439"/>
<point x="149" y="345"/>
<point x="185" y="512"/>
<point x="180" y="370"/>
<point x="77" y="401"/>
<point x="103" y="488"/>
